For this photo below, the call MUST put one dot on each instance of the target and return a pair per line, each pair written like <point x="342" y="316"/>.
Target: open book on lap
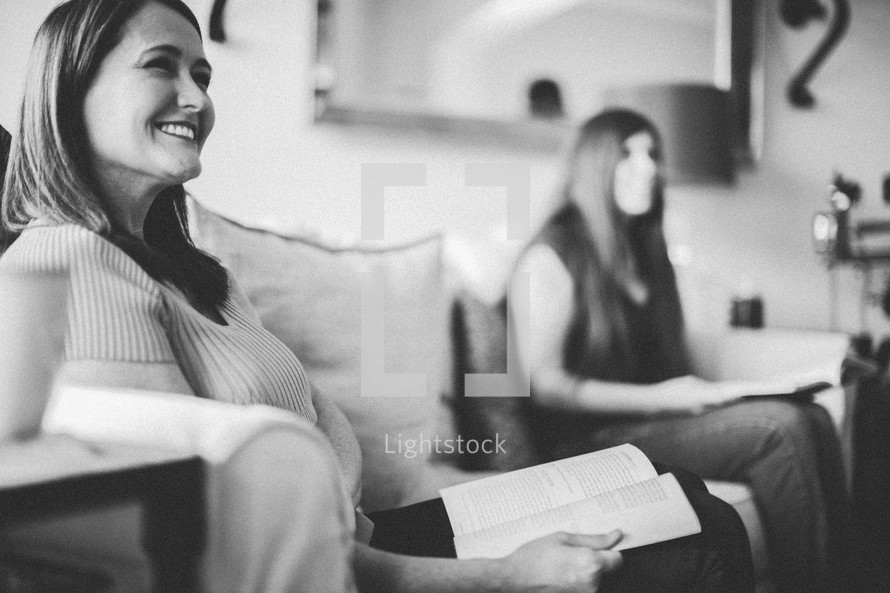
<point x="800" y="388"/>
<point x="801" y="392"/>
<point x="794" y="365"/>
<point x="591" y="493"/>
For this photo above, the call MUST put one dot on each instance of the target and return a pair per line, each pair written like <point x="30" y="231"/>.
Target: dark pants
<point x="718" y="559"/>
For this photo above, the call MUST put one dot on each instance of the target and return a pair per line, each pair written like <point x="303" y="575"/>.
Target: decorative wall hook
<point x="217" y="31"/>
<point x="797" y="13"/>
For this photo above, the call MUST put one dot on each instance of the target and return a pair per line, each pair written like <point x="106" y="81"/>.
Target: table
<point x="55" y="474"/>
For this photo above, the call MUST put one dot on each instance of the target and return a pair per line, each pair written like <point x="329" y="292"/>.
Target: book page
<point x="481" y="504"/>
<point x="792" y="357"/>
<point x="647" y="512"/>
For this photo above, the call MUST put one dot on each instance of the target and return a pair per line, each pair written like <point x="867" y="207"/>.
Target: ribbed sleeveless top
<point x="117" y="312"/>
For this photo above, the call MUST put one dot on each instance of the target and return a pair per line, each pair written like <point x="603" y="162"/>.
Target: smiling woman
<point x="134" y="86"/>
<point x="147" y="113"/>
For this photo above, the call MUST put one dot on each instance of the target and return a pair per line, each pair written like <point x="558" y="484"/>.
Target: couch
<point x="397" y="370"/>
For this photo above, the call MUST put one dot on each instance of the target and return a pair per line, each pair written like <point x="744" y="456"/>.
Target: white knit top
<point x="117" y="312"/>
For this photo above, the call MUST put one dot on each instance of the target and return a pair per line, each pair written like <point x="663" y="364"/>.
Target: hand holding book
<point x="595" y="493"/>
<point x="563" y="558"/>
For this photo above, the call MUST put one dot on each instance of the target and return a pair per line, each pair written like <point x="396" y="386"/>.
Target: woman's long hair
<point x="605" y="252"/>
<point x="49" y="174"/>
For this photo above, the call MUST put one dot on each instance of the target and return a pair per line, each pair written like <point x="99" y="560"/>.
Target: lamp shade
<point x="695" y="123"/>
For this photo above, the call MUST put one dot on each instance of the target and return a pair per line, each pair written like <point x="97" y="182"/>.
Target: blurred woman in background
<point x="609" y="363"/>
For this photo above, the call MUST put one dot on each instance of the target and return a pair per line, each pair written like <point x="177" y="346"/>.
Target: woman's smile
<point x="184" y="130"/>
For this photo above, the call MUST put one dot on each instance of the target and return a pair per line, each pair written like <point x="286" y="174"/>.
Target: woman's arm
<point x="168" y="377"/>
<point x="339" y="432"/>
<point x="551" y="297"/>
<point x="557" y="563"/>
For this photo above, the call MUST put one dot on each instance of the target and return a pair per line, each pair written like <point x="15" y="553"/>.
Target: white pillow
<point x="309" y="296"/>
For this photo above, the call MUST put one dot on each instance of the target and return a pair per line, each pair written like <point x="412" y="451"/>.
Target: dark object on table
<point x="545" y="99"/>
<point x="746" y="312"/>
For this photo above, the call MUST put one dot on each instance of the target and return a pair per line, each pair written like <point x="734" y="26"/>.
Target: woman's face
<point x="147" y="112"/>
<point x="636" y="174"/>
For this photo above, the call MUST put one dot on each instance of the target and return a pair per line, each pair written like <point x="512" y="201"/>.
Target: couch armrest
<point x="278" y="518"/>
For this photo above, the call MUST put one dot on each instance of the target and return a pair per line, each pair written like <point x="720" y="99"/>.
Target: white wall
<point x="266" y="164"/>
<point x="760" y="229"/>
<point x="477" y="57"/>
<point x="586" y="48"/>
<point x="18" y="24"/>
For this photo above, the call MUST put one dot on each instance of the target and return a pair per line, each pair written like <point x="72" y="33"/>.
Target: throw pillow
<point x="479" y="342"/>
<point x="308" y="294"/>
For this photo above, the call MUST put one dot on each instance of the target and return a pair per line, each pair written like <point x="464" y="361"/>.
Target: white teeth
<point x="178" y="130"/>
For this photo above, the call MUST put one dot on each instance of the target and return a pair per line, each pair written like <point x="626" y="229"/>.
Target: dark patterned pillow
<point x="479" y="343"/>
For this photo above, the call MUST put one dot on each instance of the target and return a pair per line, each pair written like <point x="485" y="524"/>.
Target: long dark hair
<point x="49" y="174"/>
<point x="605" y="251"/>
